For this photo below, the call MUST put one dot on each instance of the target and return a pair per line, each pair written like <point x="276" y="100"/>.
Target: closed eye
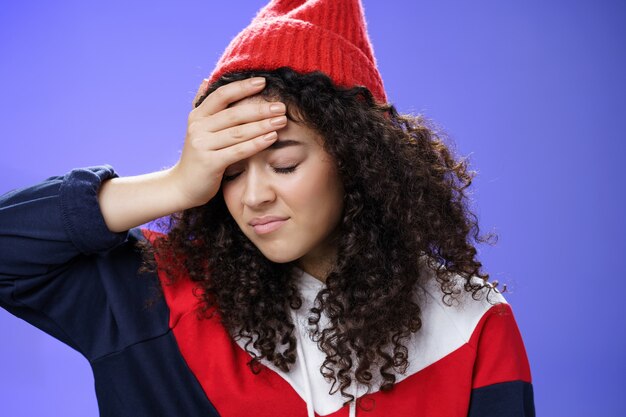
<point x="285" y="170"/>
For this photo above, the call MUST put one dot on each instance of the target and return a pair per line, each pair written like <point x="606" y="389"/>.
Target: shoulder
<point x="144" y="234"/>
<point x="449" y="323"/>
<point x="462" y="310"/>
<point x="179" y="290"/>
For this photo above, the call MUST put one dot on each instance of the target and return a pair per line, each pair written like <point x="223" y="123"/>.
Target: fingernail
<point x="257" y="81"/>
<point x="277" y="108"/>
<point x="277" y="121"/>
<point x="270" y="136"/>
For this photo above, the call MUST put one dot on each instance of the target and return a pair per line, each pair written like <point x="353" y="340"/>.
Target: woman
<point x="320" y="250"/>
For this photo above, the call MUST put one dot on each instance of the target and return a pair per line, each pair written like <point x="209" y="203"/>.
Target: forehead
<point x="294" y="134"/>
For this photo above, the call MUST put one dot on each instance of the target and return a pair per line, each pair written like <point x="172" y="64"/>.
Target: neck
<point x="321" y="260"/>
<point x="317" y="266"/>
<point x="316" y="271"/>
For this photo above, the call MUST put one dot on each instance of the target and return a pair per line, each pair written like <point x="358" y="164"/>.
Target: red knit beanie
<point x="307" y="35"/>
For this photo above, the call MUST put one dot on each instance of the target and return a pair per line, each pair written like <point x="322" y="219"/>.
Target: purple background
<point x="533" y="91"/>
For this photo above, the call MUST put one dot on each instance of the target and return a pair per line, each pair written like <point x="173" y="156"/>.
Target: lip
<point x="264" y="220"/>
<point x="268" y="227"/>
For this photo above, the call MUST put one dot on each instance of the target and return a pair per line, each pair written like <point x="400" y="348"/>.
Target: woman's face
<point x="295" y="180"/>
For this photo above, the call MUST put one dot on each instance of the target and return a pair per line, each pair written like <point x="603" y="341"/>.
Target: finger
<point x="243" y="150"/>
<point x="243" y="133"/>
<point x="245" y="113"/>
<point x="230" y="93"/>
<point x="201" y="92"/>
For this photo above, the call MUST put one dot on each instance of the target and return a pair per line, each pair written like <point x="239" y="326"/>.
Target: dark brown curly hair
<point x="405" y="200"/>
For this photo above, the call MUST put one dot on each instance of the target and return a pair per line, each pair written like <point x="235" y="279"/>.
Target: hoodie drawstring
<point x="308" y="395"/>
<point x="353" y="403"/>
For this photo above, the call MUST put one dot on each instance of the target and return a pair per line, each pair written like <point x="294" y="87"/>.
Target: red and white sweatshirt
<point x="63" y="271"/>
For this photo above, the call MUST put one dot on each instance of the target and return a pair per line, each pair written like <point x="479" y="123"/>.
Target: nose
<point x="258" y="189"/>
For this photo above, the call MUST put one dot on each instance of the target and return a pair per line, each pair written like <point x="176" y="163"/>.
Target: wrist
<point x="176" y="189"/>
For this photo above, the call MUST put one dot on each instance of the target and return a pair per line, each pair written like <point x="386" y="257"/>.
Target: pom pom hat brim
<point x="307" y="35"/>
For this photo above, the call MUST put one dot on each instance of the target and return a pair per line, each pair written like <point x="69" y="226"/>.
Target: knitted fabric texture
<point x="307" y="35"/>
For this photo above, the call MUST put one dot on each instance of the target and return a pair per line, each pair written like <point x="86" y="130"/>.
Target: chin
<point x="278" y="256"/>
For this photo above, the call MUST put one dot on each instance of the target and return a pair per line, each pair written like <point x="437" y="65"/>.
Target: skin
<point x="311" y="196"/>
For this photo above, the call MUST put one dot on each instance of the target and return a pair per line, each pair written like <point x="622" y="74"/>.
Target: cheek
<point x="320" y="194"/>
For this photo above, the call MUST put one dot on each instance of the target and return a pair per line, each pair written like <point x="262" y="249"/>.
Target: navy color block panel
<point x="510" y="399"/>
<point x="151" y="378"/>
<point x="89" y="296"/>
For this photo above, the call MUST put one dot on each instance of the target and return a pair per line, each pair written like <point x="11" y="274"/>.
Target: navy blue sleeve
<point x="65" y="272"/>
<point x="512" y="399"/>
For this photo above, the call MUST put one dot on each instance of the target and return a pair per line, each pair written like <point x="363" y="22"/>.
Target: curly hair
<point x="406" y="200"/>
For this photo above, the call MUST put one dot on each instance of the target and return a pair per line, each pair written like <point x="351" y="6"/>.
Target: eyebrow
<point x="283" y="144"/>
